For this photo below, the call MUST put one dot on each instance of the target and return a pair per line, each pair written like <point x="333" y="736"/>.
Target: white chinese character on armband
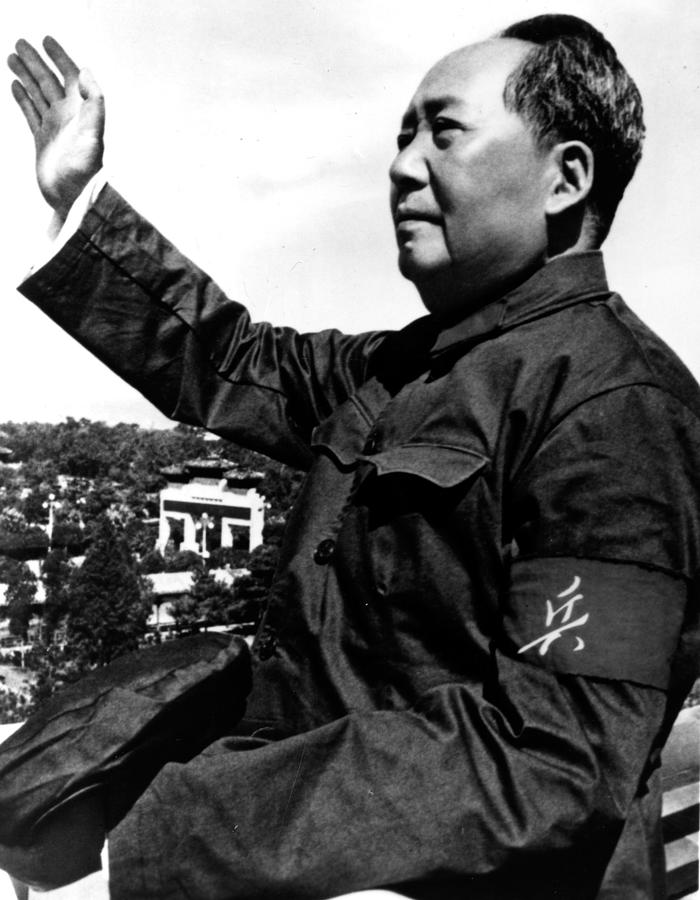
<point x="561" y="617"/>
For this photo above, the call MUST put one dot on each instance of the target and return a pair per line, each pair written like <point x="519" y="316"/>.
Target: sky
<point x="257" y="135"/>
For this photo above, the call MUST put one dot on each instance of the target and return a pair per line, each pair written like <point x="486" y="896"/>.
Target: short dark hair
<point x="572" y="86"/>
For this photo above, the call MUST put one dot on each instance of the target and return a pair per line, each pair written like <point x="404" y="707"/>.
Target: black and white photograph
<point x="350" y="450"/>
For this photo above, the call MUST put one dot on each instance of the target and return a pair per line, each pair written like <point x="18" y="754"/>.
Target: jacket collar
<point x="571" y="278"/>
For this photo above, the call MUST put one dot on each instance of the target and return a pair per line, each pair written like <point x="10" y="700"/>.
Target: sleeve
<point x="606" y="531"/>
<point x="60" y="231"/>
<point x="520" y="786"/>
<point x="517" y="790"/>
<point x="122" y="290"/>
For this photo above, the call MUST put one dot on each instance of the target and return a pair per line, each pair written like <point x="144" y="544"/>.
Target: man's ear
<point x="573" y="176"/>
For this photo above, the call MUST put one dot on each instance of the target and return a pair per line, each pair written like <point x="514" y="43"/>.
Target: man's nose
<point x="410" y="167"/>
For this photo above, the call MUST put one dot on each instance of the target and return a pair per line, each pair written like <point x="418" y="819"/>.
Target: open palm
<point x="66" y="120"/>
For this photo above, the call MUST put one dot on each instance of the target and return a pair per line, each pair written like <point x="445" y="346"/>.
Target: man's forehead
<point x="484" y="66"/>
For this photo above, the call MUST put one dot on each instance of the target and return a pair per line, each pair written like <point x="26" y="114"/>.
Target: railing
<point x="680" y="774"/>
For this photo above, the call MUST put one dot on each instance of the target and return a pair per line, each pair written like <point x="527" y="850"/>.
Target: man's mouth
<point x="407" y="215"/>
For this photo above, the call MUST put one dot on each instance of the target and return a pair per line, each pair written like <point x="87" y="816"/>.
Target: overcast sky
<point x="257" y="135"/>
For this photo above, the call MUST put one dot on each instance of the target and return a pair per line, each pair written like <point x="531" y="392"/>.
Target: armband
<point x="597" y="618"/>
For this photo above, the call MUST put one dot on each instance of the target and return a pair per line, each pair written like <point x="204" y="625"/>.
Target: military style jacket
<point x="485" y="613"/>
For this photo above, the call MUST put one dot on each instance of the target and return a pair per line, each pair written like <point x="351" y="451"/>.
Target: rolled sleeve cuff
<point x="60" y="232"/>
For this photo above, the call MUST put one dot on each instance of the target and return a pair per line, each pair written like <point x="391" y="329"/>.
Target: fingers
<point x="28" y="83"/>
<point x="44" y="77"/>
<point x="60" y="58"/>
<point x="25" y="104"/>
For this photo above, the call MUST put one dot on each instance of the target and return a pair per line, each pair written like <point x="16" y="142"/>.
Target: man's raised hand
<point x="66" y="120"/>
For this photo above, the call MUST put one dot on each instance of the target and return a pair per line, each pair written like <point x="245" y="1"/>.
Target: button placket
<point x="325" y="549"/>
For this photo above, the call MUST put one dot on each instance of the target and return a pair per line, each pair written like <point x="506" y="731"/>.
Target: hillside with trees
<point x="86" y="489"/>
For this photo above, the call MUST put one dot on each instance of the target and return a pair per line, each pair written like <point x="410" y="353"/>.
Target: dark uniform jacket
<point x="483" y="619"/>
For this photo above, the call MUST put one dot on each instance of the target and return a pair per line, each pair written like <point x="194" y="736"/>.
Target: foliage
<point x="99" y="455"/>
<point x="150" y="562"/>
<point x="273" y="530"/>
<point x="29" y="544"/>
<point x="183" y="561"/>
<point x="140" y="536"/>
<point x="186" y="614"/>
<point x="53" y="666"/>
<point x="262" y="564"/>
<point x="69" y="536"/>
<point x="56" y="573"/>
<point x="96" y="471"/>
<point x="252" y="590"/>
<point x="12" y="521"/>
<point x="9" y="568"/>
<point x="209" y="602"/>
<point x="20" y="595"/>
<point x="14" y="706"/>
<point x="93" y="450"/>
<point x="279" y="486"/>
<point x="214" y="599"/>
<point x="108" y="603"/>
<point x="221" y="557"/>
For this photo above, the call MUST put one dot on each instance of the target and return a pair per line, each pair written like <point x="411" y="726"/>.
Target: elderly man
<point x="484" y="617"/>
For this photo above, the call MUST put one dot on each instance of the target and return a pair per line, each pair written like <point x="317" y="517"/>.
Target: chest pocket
<point x="415" y="527"/>
<point x="442" y="465"/>
<point x="428" y="480"/>
<point x="412" y="475"/>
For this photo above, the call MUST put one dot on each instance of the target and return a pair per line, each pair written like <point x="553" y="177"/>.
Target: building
<point x="208" y="494"/>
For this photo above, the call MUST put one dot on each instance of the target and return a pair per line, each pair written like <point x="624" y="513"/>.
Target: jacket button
<point x="324" y="552"/>
<point x="372" y="444"/>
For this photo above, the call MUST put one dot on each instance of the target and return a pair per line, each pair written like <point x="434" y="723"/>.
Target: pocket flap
<point x="441" y="464"/>
<point x="343" y="434"/>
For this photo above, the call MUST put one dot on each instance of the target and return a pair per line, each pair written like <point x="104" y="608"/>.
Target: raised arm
<point x="66" y="117"/>
<point x="121" y="289"/>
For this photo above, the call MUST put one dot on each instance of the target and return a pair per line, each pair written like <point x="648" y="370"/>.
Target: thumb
<point x="88" y="87"/>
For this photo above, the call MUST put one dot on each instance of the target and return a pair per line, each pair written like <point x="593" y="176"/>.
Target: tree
<point x="151" y="562"/>
<point x="68" y="536"/>
<point x="21" y="593"/>
<point x="9" y="569"/>
<point x="183" y="561"/>
<point x="14" y="706"/>
<point x="18" y="538"/>
<point x="13" y="521"/>
<point x="29" y="544"/>
<point x="53" y="668"/>
<point x="56" y="573"/>
<point x="208" y="602"/>
<point x="228" y="556"/>
<point x="108" y="603"/>
<point x="140" y="536"/>
<point x="252" y="590"/>
<point x="186" y="614"/>
<point x="214" y="598"/>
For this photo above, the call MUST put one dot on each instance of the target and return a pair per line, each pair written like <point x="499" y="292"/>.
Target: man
<point x="484" y="617"/>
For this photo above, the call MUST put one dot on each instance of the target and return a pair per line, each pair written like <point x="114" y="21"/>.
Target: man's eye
<point x="442" y="125"/>
<point x="404" y="139"/>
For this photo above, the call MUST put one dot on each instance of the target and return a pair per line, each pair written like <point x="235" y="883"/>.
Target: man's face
<point x="469" y="181"/>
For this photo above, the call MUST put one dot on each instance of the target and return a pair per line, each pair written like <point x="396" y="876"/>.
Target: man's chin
<point x="435" y="283"/>
<point x="416" y="267"/>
